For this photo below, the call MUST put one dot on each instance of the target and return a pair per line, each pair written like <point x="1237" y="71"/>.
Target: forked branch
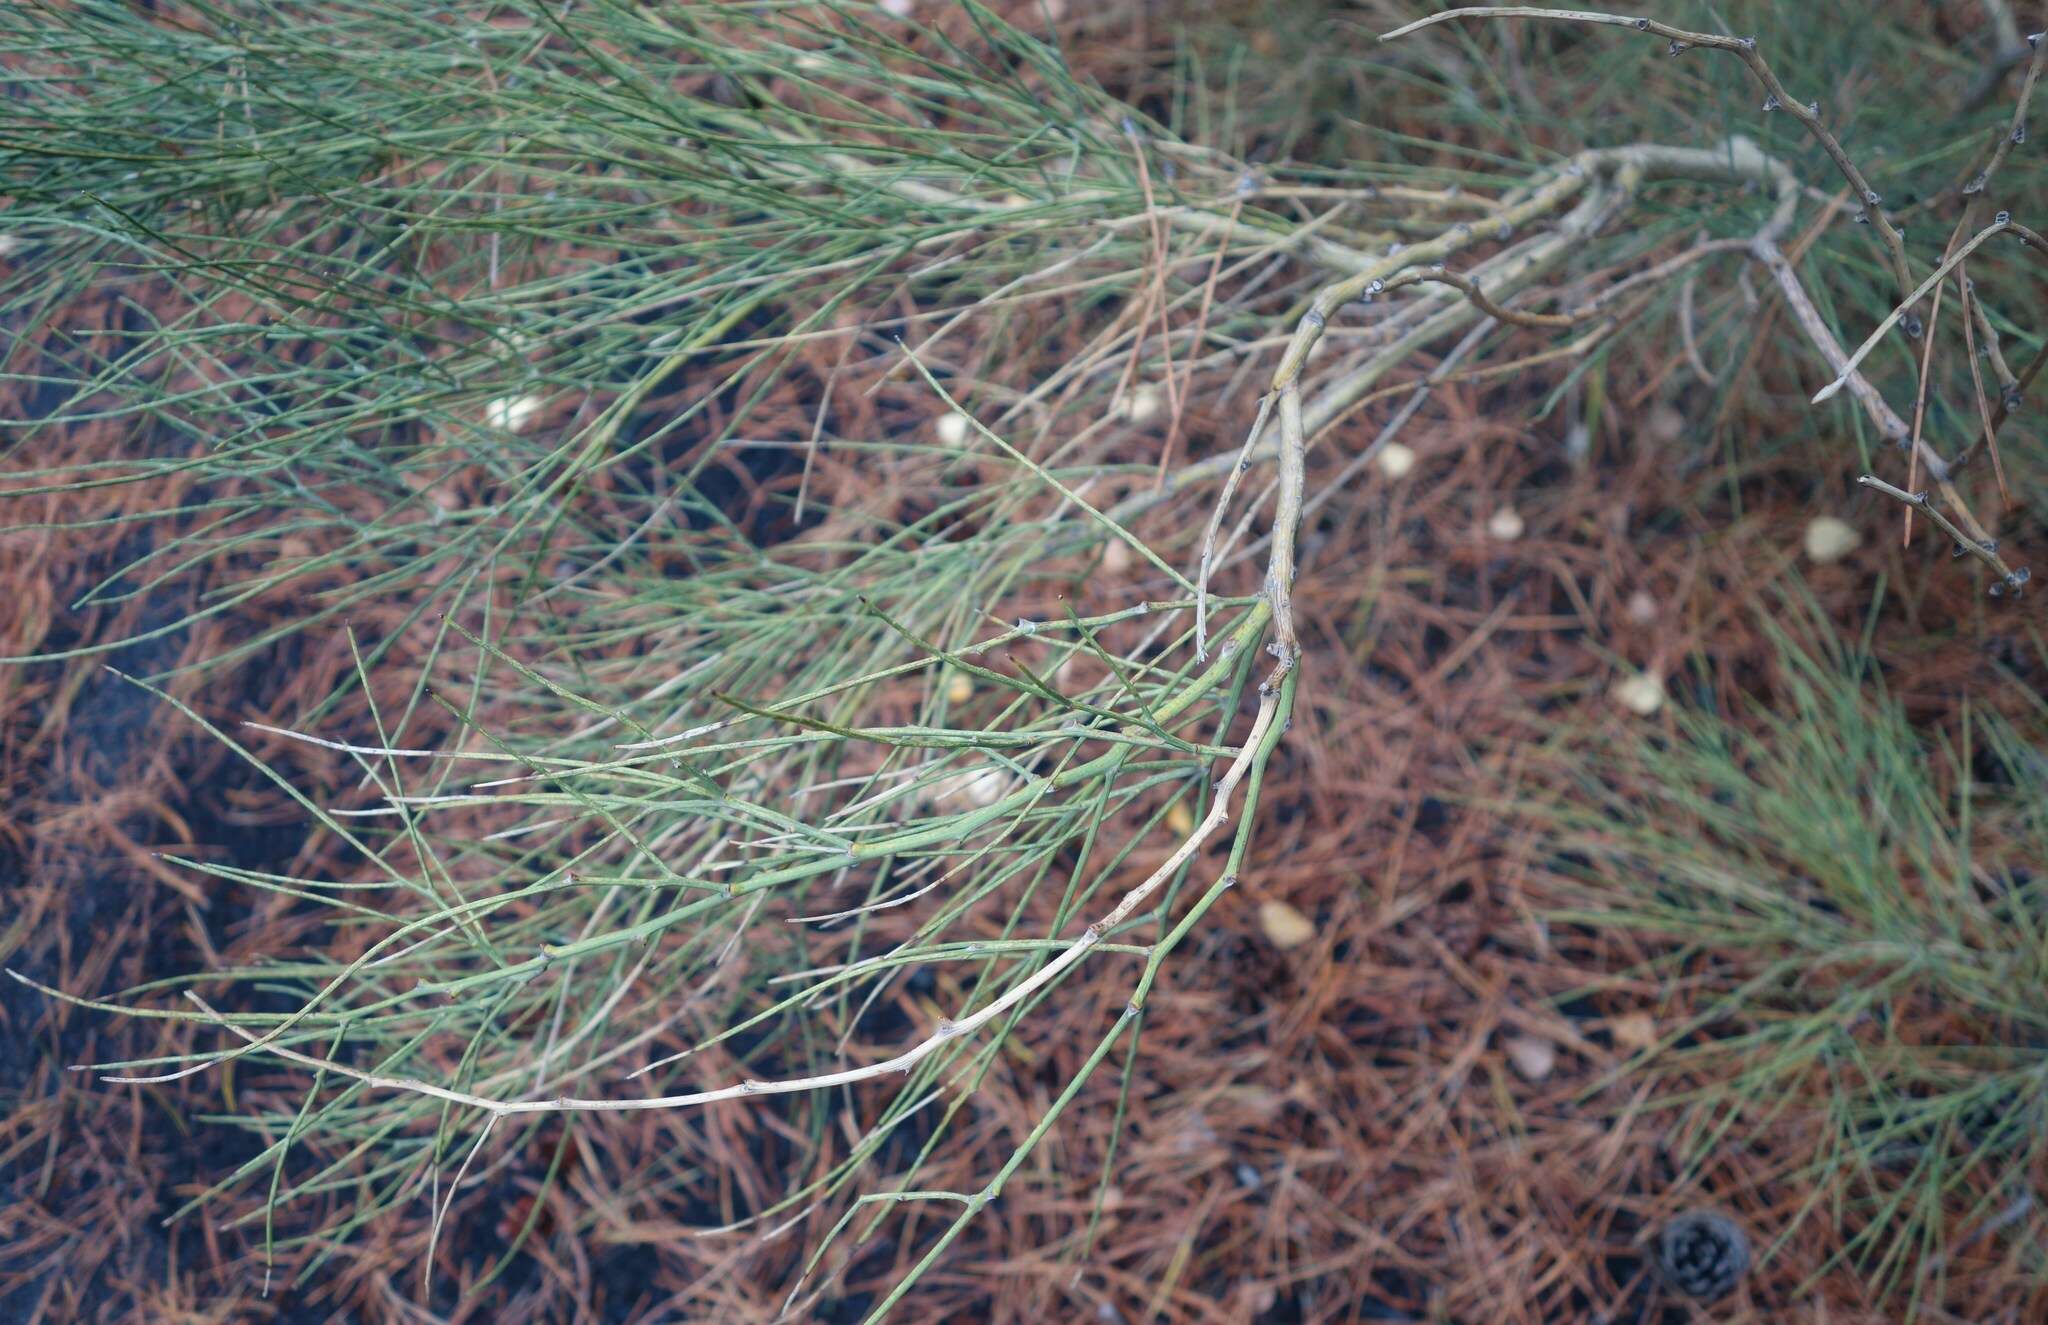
<point x="1744" y="48"/>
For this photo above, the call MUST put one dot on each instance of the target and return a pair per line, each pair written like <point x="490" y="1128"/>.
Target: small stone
<point x="1533" y="1058"/>
<point x="1506" y="525"/>
<point x="1642" y="607"/>
<point x="1666" y="424"/>
<point x="1284" y="926"/>
<point x="988" y="787"/>
<point x="1829" y="540"/>
<point x="953" y="427"/>
<point x="977" y="787"/>
<point x="512" y="413"/>
<point x="960" y="689"/>
<point x="1116" y="558"/>
<point x="1180" y="820"/>
<point x="1140" y="406"/>
<point x="1396" y="460"/>
<point x="1641" y="694"/>
<point x="897" y="8"/>
<point x="1633" y="1031"/>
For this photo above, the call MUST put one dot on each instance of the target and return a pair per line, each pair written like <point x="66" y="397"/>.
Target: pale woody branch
<point x="1745" y="48"/>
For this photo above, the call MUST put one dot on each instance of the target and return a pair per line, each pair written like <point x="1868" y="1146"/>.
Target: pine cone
<point x="1702" y="1254"/>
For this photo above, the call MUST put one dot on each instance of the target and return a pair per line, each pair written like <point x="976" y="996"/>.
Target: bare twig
<point x="1480" y="300"/>
<point x="1920" y="396"/>
<point x="1985" y="550"/>
<point x="2016" y="393"/>
<point x="2016" y="131"/>
<point x="2002" y="223"/>
<point x="1237" y="470"/>
<point x="1989" y="437"/>
<point x="1745" y="48"/>
<point x="1993" y="350"/>
<point x="1688" y="339"/>
<point x="1280" y="564"/>
<point x="1886" y="420"/>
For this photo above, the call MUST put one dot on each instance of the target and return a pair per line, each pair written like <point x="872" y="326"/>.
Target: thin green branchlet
<point x="490" y="334"/>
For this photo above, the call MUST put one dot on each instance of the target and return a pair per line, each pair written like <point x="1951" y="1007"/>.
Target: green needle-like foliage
<point x="475" y="304"/>
<point x="480" y="323"/>
<point x="1856" y="911"/>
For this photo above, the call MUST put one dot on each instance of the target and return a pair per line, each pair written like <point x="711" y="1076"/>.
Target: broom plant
<point x="718" y="729"/>
<point x="1853" y="910"/>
